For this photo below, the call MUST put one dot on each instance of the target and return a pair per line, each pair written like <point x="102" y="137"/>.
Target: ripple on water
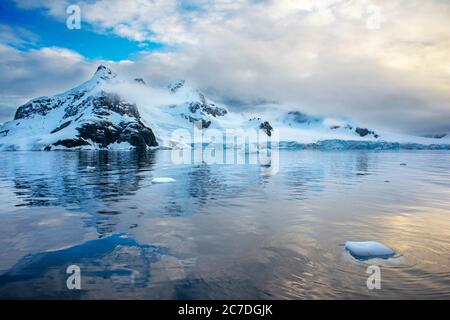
<point x="224" y="231"/>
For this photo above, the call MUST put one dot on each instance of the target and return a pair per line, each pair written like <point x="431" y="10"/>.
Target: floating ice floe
<point x="163" y="180"/>
<point x="364" y="250"/>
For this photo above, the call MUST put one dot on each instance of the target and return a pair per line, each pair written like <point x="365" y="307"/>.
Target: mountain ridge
<point x="108" y="112"/>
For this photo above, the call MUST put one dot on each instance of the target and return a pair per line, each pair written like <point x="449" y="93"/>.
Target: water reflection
<point x="221" y="231"/>
<point x="69" y="178"/>
<point x="117" y="260"/>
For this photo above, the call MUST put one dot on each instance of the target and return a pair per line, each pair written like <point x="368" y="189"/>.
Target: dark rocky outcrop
<point x="113" y="102"/>
<point x="64" y="125"/>
<point x="105" y="133"/>
<point x="140" y="81"/>
<point x="266" y="127"/>
<point x="69" y="143"/>
<point x="104" y="72"/>
<point x="41" y="106"/>
<point x="173" y="87"/>
<point x="364" y="132"/>
<point x="206" y="108"/>
<point x="92" y="111"/>
<point x="202" y="105"/>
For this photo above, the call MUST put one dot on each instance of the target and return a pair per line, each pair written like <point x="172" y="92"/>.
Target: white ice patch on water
<point x="163" y="180"/>
<point x="368" y="250"/>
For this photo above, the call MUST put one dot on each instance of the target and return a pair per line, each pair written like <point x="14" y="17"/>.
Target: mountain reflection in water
<point x="222" y="231"/>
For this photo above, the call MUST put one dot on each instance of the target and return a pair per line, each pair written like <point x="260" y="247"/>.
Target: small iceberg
<point x="364" y="250"/>
<point x="163" y="180"/>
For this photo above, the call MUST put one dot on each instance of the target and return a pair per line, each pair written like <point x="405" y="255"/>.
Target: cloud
<point x="28" y="74"/>
<point x="384" y="63"/>
<point x="55" y="8"/>
<point x="31" y="72"/>
<point x="17" y="37"/>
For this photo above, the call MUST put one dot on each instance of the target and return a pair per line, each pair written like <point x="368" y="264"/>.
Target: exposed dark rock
<point x="173" y="87"/>
<point x="364" y="132"/>
<point x="69" y="143"/>
<point x="105" y="133"/>
<point x="75" y="106"/>
<point x="266" y="127"/>
<point x="214" y="111"/>
<point x="78" y="95"/>
<point x="65" y="124"/>
<point x="203" y="107"/>
<point x="140" y="80"/>
<point x="113" y="102"/>
<point x="39" y="106"/>
<point x="104" y="72"/>
<point x="95" y="115"/>
<point x="138" y="135"/>
<point x="102" y="132"/>
<point x="205" y="123"/>
<point x="206" y="108"/>
<point x="194" y="106"/>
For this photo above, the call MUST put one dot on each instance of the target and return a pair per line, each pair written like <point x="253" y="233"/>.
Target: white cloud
<point x="384" y="63"/>
<point x="46" y="71"/>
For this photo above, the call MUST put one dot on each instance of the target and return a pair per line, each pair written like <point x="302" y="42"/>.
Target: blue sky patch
<point x="52" y="33"/>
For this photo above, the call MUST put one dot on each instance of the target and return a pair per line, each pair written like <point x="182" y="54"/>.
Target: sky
<point x="385" y="64"/>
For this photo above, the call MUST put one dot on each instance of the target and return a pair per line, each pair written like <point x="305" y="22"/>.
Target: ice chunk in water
<point x="163" y="180"/>
<point x="364" y="250"/>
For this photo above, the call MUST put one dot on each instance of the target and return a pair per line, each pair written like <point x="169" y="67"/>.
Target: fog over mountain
<point x="111" y="112"/>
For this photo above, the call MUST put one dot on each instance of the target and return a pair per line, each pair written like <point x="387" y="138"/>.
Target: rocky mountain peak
<point x="174" y="86"/>
<point x="105" y="73"/>
<point x="140" y="81"/>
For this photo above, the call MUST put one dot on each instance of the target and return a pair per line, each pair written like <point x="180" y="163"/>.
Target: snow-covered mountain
<point x="109" y="112"/>
<point x="85" y="117"/>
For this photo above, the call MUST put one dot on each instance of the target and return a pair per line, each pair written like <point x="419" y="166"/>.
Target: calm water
<point x="223" y="231"/>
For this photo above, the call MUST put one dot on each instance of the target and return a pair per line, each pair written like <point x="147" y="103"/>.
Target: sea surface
<point x="242" y="231"/>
